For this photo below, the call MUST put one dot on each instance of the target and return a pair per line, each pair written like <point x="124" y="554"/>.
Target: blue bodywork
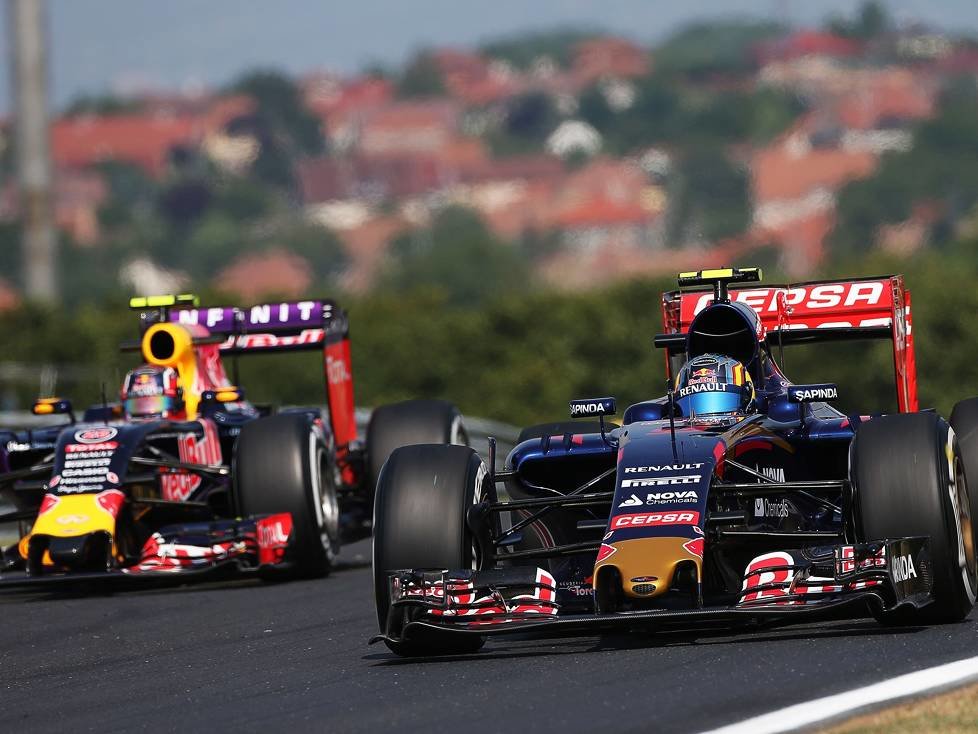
<point x="782" y="442"/>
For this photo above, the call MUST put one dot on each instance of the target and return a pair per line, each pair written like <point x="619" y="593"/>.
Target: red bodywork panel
<point x="874" y="307"/>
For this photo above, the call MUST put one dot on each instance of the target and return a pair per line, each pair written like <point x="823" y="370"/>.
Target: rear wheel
<point x="408" y="423"/>
<point x="423" y="497"/>
<point x="908" y="480"/>
<point x="281" y="465"/>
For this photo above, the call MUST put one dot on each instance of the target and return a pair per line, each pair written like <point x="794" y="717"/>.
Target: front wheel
<point x="423" y="498"/>
<point x="908" y="480"/>
<point x="407" y="423"/>
<point x="281" y="465"/>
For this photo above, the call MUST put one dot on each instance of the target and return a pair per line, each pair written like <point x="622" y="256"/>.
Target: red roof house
<point x="274" y="272"/>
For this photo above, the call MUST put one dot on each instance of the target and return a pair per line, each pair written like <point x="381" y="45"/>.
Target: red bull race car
<point x="183" y="477"/>
<point x="736" y="498"/>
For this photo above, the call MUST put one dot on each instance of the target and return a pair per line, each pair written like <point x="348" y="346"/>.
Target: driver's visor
<point x="149" y="405"/>
<point x="710" y="403"/>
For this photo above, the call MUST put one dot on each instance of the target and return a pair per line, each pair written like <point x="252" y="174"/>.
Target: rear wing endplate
<point x="816" y="311"/>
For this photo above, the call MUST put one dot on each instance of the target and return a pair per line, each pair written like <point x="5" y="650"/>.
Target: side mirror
<point x="592" y="407"/>
<point x="229" y="394"/>
<point x="53" y="406"/>
<point x="813" y="393"/>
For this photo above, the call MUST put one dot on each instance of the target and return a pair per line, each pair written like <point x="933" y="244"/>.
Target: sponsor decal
<point x="336" y="371"/>
<point x="765" y="571"/>
<point x="704" y="387"/>
<point x="654" y="519"/>
<point x="178" y="486"/>
<point x="704" y="374"/>
<point x="282" y="313"/>
<point x="71" y="519"/>
<point x="653" y="469"/>
<point x="274" y="314"/>
<point x="92" y="449"/>
<point x="770" y="508"/>
<point x="272" y="341"/>
<point x="903" y="569"/>
<point x="14" y="446"/>
<point x="772" y="472"/>
<point x="661" y="498"/>
<point x="146" y="384"/>
<point x="660" y="481"/>
<point x="601" y="406"/>
<point x="86" y="465"/>
<point x="273" y="533"/>
<point x="605" y="551"/>
<point x="96" y="435"/>
<point x="576" y="589"/>
<point x="809" y="393"/>
<point x="822" y="296"/>
<point x="694" y="546"/>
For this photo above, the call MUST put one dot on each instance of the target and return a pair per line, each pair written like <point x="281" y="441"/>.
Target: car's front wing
<point x="781" y="587"/>
<point x="187" y="552"/>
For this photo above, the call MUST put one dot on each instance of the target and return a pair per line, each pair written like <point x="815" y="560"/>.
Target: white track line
<point x="832" y="707"/>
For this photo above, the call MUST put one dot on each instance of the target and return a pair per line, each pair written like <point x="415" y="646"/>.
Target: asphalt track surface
<point x="250" y="656"/>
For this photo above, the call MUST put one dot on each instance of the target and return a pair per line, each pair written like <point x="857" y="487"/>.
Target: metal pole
<point x="28" y="43"/>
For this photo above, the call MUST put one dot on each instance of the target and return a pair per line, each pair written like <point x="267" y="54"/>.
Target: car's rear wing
<point x="287" y="326"/>
<point x="816" y="311"/>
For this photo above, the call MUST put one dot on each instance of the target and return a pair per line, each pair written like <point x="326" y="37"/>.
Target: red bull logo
<point x="704" y="374"/>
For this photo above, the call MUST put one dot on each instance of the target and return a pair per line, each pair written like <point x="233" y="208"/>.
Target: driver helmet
<point x="152" y="392"/>
<point x="714" y="385"/>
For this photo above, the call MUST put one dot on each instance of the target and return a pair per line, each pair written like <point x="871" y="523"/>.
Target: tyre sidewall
<point x="282" y="465"/>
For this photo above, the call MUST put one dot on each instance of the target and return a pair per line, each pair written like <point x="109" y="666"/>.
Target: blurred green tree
<point x="284" y="127"/>
<point x="421" y="78"/>
<point x="458" y="255"/>
<point x="710" y="197"/>
<point x="709" y="48"/>
<point x="522" y="51"/>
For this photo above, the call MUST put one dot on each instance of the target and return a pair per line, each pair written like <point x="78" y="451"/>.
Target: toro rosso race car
<point x="738" y="497"/>
<point x="183" y="477"/>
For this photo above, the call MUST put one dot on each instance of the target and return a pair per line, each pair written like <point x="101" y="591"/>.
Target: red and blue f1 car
<point x="676" y="520"/>
<point x="185" y="478"/>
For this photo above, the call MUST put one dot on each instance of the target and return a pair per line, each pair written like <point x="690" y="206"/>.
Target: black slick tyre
<point x="908" y="480"/>
<point x="423" y="497"/>
<point x="281" y="465"/>
<point x="408" y="423"/>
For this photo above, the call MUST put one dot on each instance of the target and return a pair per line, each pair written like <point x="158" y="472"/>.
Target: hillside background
<point x="500" y="219"/>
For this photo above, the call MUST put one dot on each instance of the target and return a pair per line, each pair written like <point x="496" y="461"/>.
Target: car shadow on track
<point x="530" y="647"/>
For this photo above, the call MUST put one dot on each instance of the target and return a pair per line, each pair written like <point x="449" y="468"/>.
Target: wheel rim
<point x="323" y="497"/>
<point x="964" y="523"/>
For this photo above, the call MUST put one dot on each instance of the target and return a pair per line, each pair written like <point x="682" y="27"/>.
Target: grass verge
<point x="955" y="712"/>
